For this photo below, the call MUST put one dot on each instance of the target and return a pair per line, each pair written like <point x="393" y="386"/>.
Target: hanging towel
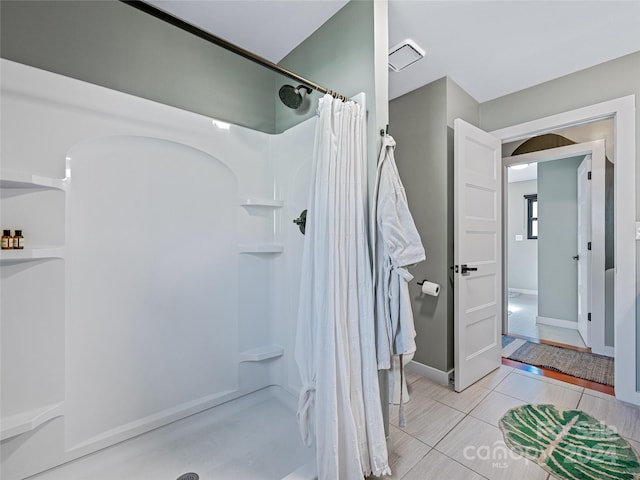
<point x="339" y="404"/>
<point x="397" y="245"/>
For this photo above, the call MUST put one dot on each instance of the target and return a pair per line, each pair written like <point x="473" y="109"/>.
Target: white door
<point x="477" y="254"/>
<point x="583" y="255"/>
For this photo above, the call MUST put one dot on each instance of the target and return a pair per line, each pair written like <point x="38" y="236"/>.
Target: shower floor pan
<point x="253" y="438"/>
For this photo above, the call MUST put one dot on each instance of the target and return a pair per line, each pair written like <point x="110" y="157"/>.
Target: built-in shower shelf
<point x="13" y="179"/>
<point x="261" y="202"/>
<point x="261" y="248"/>
<point x="28" y="254"/>
<point x="260" y="354"/>
<point x="27" y="421"/>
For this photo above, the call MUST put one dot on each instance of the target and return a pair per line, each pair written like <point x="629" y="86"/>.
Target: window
<point x="532" y="216"/>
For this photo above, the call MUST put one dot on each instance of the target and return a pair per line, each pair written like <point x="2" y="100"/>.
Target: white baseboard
<point x="556" y="322"/>
<point x="604" y="350"/>
<point x="438" y="376"/>
<point x="523" y="290"/>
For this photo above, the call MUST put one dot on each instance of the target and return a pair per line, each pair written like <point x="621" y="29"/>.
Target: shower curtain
<point x="339" y="406"/>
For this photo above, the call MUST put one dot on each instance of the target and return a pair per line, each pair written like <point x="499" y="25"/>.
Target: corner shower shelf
<point x="261" y="202"/>
<point x="261" y="353"/>
<point x="260" y="248"/>
<point x="28" y="254"/>
<point x="27" y="421"/>
<point x="12" y="179"/>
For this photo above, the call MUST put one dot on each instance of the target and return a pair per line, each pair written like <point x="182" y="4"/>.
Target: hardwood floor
<point x="549" y="342"/>
<point x="563" y="377"/>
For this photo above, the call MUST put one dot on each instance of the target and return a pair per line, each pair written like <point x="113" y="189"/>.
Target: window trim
<point x="530" y="218"/>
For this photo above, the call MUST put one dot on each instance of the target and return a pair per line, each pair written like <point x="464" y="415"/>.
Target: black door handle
<point x="465" y="269"/>
<point x="576" y="257"/>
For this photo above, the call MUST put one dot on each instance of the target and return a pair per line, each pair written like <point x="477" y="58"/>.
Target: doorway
<point x="622" y="110"/>
<point x="563" y="191"/>
<point x="542" y="284"/>
<point x="556" y="261"/>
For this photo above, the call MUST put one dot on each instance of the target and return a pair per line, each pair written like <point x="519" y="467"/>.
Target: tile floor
<point x="522" y="321"/>
<point x="455" y="436"/>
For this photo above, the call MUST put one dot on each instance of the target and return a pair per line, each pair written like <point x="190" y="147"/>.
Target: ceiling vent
<point x="404" y="54"/>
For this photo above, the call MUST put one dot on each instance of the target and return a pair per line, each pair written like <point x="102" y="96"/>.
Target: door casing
<point x="623" y="112"/>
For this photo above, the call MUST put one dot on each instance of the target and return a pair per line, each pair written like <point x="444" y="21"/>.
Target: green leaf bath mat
<point x="569" y="444"/>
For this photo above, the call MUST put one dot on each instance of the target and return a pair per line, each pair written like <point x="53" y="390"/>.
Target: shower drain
<point x="188" y="476"/>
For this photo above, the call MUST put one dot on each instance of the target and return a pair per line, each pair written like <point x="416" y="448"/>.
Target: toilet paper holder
<point x="429" y="288"/>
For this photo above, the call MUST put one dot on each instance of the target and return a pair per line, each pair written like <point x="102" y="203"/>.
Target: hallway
<point x="523" y="310"/>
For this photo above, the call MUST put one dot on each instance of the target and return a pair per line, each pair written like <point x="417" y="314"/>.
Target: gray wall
<point x="613" y="79"/>
<point x="421" y="122"/>
<point x="418" y="123"/>
<point x="340" y="56"/>
<point x="461" y="105"/>
<point x="523" y="255"/>
<point x="111" y="44"/>
<point x="558" y="239"/>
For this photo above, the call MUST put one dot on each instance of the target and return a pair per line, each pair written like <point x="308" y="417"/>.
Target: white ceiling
<point x="269" y="28"/>
<point x="523" y="174"/>
<point x="490" y="48"/>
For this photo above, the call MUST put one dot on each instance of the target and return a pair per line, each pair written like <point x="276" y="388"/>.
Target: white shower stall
<point x="159" y="279"/>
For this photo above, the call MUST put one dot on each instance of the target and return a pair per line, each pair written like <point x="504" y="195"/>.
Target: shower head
<point x="291" y="96"/>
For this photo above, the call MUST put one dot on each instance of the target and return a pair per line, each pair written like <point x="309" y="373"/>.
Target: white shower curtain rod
<point x="188" y="27"/>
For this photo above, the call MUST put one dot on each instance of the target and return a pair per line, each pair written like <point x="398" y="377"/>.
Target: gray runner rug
<point x="583" y="365"/>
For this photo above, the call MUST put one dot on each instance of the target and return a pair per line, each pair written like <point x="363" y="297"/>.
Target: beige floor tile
<point x="411" y="376"/>
<point x="595" y="393"/>
<point x="404" y="453"/>
<point x="494" y="406"/>
<point x="463" y="401"/>
<point x="436" y="466"/>
<point x="552" y="381"/>
<point x="533" y="390"/>
<point x="480" y="447"/>
<point x="494" y="378"/>
<point x="623" y="417"/>
<point x="426" y="419"/>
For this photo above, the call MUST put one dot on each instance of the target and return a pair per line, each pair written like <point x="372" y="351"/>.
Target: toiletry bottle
<point x="7" y="241"/>
<point x="18" y="240"/>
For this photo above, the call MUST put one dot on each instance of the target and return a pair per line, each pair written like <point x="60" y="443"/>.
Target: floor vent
<point x="189" y="476"/>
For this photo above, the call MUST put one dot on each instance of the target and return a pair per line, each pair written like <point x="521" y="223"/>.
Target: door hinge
<point x="589" y="316"/>
<point x="588" y="175"/>
<point x="588" y="245"/>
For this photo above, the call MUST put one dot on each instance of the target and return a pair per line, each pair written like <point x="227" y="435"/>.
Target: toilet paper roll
<point x="431" y="288"/>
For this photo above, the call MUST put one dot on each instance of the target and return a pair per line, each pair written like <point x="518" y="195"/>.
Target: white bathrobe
<point x="397" y="246"/>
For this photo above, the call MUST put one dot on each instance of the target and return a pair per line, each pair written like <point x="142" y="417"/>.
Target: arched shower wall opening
<point x="180" y="269"/>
